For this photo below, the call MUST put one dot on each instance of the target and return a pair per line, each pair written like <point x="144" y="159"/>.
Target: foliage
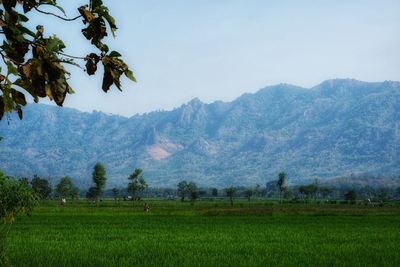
<point x="24" y="180"/>
<point x="75" y="192"/>
<point x="230" y="192"/>
<point x="15" y="197"/>
<point x="99" y="179"/>
<point x="182" y="190"/>
<point x="249" y="193"/>
<point x="288" y="194"/>
<point x="325" y="191"/>
<point x="115" y="193"/>
<point x="64" y="187"/>
<point x="41" y="187"/>
<point x="351" y="196"/>
<point x="281" y="181"/>
<point x="193" y="192"/>
<point x="187" y="189"/>
<point x="136" y="182"/>
<point x="92" y="193"/>
<point x="35" y="64"/>
<point x="308" y="190"/>
<point x="383" y="195"/>
<point x="214" y="192"/>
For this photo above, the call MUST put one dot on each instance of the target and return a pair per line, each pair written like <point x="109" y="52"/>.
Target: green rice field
<point x="210" y="233"/>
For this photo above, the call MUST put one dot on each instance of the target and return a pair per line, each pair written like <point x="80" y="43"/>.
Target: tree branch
<point x="55" y="15"/>
<point x="74" y="57"/>
<point x="4" y="56"/>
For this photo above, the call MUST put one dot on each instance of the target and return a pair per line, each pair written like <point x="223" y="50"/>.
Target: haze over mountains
<point x="336" y="128"/>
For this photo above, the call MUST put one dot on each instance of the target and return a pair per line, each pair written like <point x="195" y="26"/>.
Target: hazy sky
<point x="219" y="49"/>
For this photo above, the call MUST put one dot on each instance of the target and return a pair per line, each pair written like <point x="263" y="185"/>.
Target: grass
<point x="211" y="233"/>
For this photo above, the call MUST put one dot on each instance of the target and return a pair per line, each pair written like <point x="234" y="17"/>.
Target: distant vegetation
<point x="137" y="184"/>
<point x="137" y="188"/>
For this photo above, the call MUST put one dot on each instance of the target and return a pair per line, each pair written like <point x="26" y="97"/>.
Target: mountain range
<point x="337" y="128"/>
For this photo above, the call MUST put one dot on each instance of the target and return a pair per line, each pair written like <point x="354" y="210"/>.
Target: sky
<point x="220" y="49"/>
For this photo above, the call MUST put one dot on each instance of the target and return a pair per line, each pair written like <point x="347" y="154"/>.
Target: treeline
<point x="136" y="188"/>
<point x="278" y="189"/>
<point x="307" y="192"/>
<point x="66" y="189"/>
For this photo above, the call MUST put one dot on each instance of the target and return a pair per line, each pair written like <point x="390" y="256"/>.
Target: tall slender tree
<point x="136" y="183"/>
<point x="281" y="184"/>
<point x="99" y="179"/>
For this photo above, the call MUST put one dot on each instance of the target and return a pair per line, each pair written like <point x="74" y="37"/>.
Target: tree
<point x="249" y="193"/>
<point x="115" y="192"/>
<point x="75" y="192"/>
<point x="351" y="196"/>
<point x="308" y="190"/>
<point x="35" y="63"/>
<point x="398" y="192"/>
<point x="288" y="194"/>
<point x="281" y="183"/>
<point x="325" y="191"/>
<point x="182" y="190"/>
<point x="41" y="187"/>
<point x="192" y="192"/>
<point x="137" y="183"/>
<point x="64" y="187"/>
<point x="214" y="192"/>
<point x="15" y="197"/>
<point x="99" y="179"/>
<point x="270" y="189"/>
<point x="257" y="190"/>
<point x="92" y="193"/>
<point x="24" y="180"/>
<point x="383" y="195"/>
<point x="230" y="192"/>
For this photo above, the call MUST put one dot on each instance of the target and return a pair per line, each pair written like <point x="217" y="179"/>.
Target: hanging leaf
<point x="91" y="63"/>
<point x="129" y="75"/>
<point x="18" y="97"/>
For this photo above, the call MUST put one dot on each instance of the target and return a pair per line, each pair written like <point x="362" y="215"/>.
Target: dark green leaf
<point x="11" y="69"/>
<point x="114" y="54"/>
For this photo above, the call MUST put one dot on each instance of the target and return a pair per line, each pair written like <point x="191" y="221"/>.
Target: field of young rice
<point x="210" y="233"/>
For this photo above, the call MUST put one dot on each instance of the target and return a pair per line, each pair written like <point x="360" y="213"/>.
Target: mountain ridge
<point x="335" y="128"/>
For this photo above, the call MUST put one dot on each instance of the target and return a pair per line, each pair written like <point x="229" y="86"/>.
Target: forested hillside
<point x="334" y="129"/>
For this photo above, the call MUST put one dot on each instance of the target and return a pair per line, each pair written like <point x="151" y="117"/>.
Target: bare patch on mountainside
<point x="162" y="150"/>
<point x="157" y="152"/>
